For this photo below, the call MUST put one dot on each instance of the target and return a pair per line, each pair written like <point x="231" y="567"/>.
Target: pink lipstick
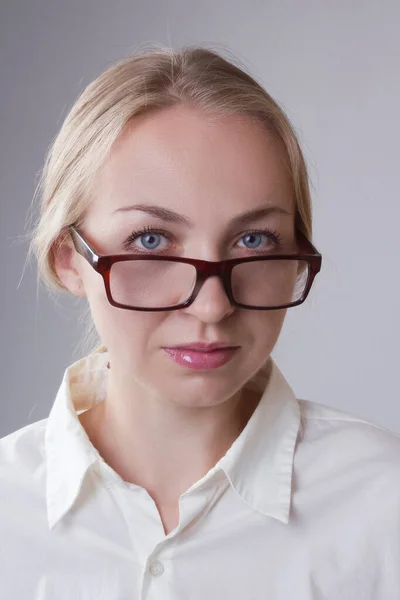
<point x="200" y="359"/>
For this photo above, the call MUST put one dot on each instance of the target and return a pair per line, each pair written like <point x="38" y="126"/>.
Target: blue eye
<point x="149" y="238"/>
<point x="253" y="239"/>
<point x="250" y="240"/>
<point x="153" y="239"/>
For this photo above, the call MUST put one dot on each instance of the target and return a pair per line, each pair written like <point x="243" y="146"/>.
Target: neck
<point x="160" y="445"/>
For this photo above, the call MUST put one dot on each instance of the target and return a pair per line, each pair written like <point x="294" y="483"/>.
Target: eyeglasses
<point x="159" y="283"/>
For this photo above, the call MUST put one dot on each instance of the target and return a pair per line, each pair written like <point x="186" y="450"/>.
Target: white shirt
<point x="304" y="505"/>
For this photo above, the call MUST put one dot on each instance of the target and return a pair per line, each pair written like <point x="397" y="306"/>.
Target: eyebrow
<point x="170" y="216"/>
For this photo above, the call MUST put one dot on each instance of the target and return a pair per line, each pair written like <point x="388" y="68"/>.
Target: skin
<point x="162" y="425"/>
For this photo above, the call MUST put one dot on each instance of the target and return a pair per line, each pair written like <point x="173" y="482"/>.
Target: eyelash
<point x="273" y="235"/>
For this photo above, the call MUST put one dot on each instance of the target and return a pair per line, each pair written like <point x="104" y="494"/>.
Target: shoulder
<point x="322" y="421"/>
<point x="14" y="445"/>
<point x="22" y="504"/>
<point x="22" y="455"/>
<point x="337" y="446"/>
<point x="22" y="481"/>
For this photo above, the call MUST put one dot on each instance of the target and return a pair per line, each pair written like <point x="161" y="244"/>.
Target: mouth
<point x="203" y="347"/>
<point x="201" y="359"/>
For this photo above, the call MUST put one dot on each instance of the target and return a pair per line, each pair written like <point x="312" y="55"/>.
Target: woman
<point x="176" y="461"/>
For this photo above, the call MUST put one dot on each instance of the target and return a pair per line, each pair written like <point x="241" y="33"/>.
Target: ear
<point x="68" y="267"/>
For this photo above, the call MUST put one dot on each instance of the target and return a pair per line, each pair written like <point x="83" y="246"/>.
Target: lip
<point x="201" y="359"/>
<point x="202" y="347"/>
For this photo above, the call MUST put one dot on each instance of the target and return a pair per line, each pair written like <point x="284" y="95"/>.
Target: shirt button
<point x="156" y="568"/>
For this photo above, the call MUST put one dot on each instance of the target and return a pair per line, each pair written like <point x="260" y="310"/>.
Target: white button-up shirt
<point x="304" y="505"/>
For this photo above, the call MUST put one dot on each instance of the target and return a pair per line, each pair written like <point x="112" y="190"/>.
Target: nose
<point x="212" y="304"/>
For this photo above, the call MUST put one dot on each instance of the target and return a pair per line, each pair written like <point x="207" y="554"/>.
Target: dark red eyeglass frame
<point x="204" y="268"/>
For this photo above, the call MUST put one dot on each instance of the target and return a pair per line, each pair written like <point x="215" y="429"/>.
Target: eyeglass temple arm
<point x="306" y="246"/>
<point x="83" y="247"/>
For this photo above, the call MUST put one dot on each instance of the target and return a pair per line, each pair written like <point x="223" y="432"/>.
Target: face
<point x="208" y="170"/>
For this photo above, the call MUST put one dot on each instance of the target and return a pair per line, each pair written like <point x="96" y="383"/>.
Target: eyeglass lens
<point x="158" y="284"/>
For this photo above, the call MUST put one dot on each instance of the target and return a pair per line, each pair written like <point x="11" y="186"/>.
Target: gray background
<point x="334" y="67"/>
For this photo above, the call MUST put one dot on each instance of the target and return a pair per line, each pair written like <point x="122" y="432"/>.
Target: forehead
<point x="207" y="167"/>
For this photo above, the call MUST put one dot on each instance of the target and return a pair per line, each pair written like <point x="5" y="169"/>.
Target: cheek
<point x="122" y="331"/>
<point x="266" y="327"/>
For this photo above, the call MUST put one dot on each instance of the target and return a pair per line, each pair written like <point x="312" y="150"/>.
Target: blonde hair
<point x="149" y="79"/>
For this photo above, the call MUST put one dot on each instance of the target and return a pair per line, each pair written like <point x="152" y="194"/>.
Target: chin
<point x="200" y="388"/>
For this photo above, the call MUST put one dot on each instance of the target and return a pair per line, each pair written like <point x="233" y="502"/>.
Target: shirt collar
<point x="69" y="452"/>
<point x="258" y="465"/>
